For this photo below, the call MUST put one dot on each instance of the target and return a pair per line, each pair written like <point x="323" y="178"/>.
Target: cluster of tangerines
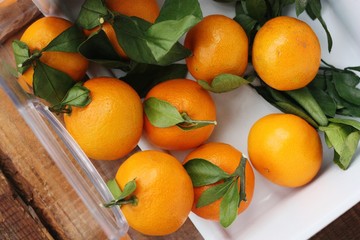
<point x="179" y="114"/>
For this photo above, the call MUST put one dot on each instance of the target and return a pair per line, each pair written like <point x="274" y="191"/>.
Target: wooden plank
<point x="18" y="221"/>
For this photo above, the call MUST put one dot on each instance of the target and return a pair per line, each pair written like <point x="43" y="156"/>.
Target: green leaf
<point x="313" y="9"/>
<point x="161" y="113"/>
<point x="355" y="68"/>
<point x="240" y="172"/>
<point x="78" y="96"/>
<point x="22" y="54"/>
<point x="158" y="43"/>
<point x="336" y="134"/>
<point x="97" y="48"/>
<point x="114" y="188"/>
<point x="304" y="98"/>
<point x="293" y="109"/>
<point x="91" y="13"/>
<point x="203" y="172"/>
<point x="350" y="122"/>
<point x="326" y="103"/>
<point x="248" y="23"/>
<point x="51" y="84"/>
<point x="229" y="206"/>
<point x="213" y="193"/>
<point x="345" y="84"/>
<point x="68" y="41"/>
<point x="344" y="157"/>
<point x="142" y="77"/>
<point x="129" y="188"/>
<point x="256" y="9"/>
<point x="223" y="83"/>
<point x="300" y="6"/>
<point x="179" y="9"/>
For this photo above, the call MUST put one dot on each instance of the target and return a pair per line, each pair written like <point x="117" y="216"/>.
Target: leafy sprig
<point x="223" y="185"/>
<point x="50" y="84"/>
<point x="332" y="94"/>
<point x="121" y="197"/>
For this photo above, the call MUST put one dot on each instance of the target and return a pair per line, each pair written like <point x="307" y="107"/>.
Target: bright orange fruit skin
<point x="163" y="189"/>
<point x="227" y="158"/>
<point x="285" y="149"/>
<point x="111" y="125"/>
<point x="219" y="45"/>
<point x="187" y="96"/>
<point x="286" y="53"/>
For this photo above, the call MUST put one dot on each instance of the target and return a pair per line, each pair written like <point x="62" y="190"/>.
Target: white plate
<point x="278" y="212"/>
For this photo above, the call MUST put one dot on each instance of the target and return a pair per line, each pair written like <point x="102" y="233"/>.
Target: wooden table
<point x="32" y="200"/>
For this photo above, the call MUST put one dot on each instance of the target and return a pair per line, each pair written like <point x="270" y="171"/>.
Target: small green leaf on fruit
<point x="203" y="172"/>
<point x="161" y="113"/>
<point x="224" y="83"/>
<point x="229" y="205"/>
<point x="213" y="193"/>
<point x="114" y="188"/>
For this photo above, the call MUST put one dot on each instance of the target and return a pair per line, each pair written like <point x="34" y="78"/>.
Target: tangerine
<point x="285" y="149"/>
<point x="286" y="53"/>
<point x="164" y="192"/>
<point x="187" y="97"/>
<point x="111" y="125"/>
<point x="219" y="45"/>
<point x="227" y="158"/>
<point x="38" y="35"/>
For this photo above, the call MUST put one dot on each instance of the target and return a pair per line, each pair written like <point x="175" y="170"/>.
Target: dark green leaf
<point x="326" y="103"/>
<point x="223" y="83"/>
<point x="293" y="109"/>
<point x="68" y="41"/>
<point x="158" y="43"/>
<point x="249" y="24"/>
<point x="91" y="13"/>
<point x="114" y="188"/>
<point x="344" y="157"/>
<point x="143" y="77"/>
<point x="213" y="193"/>
<point x="304" y="98"/>
<point x="203" y="172"/>
<point x="300" y="6"/>
<point x="229" y="206"/>
<point x="161" y="113"/>
<point x="51" y="84"/>
<point x="22" y="54"/>
<point x="97" y="48"/>
<point x="345" y="84"/>
<point x="350" y="122"/>
<point x="313" y="9"/>
<point x="240" y="172"/>
<point x="356" y="68"/>
<point x="179" y="9"/>
<point x="256" y="9"/>
<point x="78" y="96"/>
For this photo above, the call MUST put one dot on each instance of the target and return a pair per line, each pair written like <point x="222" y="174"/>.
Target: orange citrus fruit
<point x="163" y="189"/>
<point x="187" y="97"/>
<point x="38" y="35"/>
<point x="111" y="125"/>
<point x="286" y="53"/>
<point x="285" y="149"/>
<point x="227" y="158"/>
<point x="146" y="9"/>
<point x="219" y="45"/>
